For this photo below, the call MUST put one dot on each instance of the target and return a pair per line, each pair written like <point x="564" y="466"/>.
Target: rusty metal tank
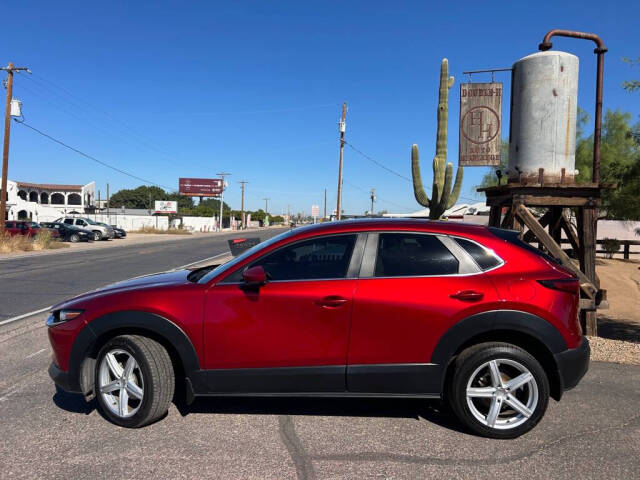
<point x="544" y="96"/>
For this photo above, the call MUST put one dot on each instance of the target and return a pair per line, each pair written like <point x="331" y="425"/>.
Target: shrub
<point x="610" y="246"/>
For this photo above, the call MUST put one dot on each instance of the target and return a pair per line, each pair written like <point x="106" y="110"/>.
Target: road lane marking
<point x="25" y="315"/>
<point x="35" y="353"/>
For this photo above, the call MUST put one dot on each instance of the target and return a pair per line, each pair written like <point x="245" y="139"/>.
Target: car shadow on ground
<point x="73" y="402"/>
<point x="430" y="410"/>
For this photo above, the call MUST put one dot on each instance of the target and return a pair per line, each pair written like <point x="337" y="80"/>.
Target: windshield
<point x="230" y="264"/>
<point x="90" y="222"/>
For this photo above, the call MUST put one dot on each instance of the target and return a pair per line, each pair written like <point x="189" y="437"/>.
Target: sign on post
<point x="166" y="206"/>
<point x="480" y="124"/>
<point x="315" y="212"/>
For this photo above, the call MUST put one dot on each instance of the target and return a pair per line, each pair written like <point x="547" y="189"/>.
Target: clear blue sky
<point x="170" y="89"/>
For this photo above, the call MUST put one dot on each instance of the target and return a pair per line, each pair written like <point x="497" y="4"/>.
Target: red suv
<point x="22" y="227"/>
<point x="383" y="308"/>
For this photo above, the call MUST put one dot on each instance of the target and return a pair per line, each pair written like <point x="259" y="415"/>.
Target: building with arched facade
<point x="42" y="202"/>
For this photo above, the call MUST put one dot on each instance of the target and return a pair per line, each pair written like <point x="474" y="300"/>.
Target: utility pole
<point x="266" y="205"/>
<point x="342" y="128"/>
<point x="108" y="211"/>
<point x="325" y="205"/>
<point x="222" y="175"/>
<point x="373" y="198"/>
<point x="242" y="222"/>
<point x="7" y="131"/>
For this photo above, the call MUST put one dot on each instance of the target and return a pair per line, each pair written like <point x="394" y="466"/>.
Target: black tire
<point x="158" y="382"/>
<point x="466" y="366"/>
<point x="74" y="238"/>
<point x="97" y="236"/>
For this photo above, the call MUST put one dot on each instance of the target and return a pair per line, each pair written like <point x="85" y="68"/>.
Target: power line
<point x="378" y="163"/>
<point x="86" y="155"/>
<point x="381" y="165"/>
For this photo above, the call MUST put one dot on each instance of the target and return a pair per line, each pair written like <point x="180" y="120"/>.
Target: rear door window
<point x="68" y="221"/>
<point x="413" y="254"/>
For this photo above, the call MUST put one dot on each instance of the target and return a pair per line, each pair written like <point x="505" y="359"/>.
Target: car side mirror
<point x="254" y="276"/>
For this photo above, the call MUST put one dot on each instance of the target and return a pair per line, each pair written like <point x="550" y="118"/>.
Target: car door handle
<point x="467" y="295"/>
<point x="332" y="301"/>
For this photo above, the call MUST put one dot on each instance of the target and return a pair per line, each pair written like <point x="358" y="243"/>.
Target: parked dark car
<point x="365" y="308"/>
<point x="117" y="232"/>
<point x="69" y="233"/>
<point x="23" y="227"/>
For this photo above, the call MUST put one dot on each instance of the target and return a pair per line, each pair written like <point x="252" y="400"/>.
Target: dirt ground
<point x="621" y="279"/>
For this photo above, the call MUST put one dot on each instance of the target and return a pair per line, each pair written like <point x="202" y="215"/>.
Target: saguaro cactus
<point x="442" y="197"/>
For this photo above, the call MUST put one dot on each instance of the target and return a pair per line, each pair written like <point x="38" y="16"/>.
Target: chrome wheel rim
<point x="120" y="383"/>
<point x="502" y="394"/>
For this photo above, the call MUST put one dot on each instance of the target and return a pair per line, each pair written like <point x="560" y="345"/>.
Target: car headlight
<point x="62" y="316"/>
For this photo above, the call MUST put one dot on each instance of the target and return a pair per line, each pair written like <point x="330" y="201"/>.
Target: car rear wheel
<point x="74" y="238"/>
<point x="97" y="236"/>
<point x="498" y="390"/>
<point x="134" y="380"/>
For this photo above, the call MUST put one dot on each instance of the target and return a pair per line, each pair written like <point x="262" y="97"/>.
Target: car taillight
<point x="568" y="285"/>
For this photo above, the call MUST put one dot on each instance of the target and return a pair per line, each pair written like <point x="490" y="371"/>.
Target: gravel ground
<point x="616" y="351"/>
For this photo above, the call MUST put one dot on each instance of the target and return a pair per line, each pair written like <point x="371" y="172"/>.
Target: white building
<point x="46" y="202"/>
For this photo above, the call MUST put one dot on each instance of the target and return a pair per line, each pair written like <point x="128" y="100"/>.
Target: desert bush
<point x="610" y="246"/>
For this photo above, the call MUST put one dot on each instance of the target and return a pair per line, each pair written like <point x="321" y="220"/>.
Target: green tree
<point x="619" y="164"/>
<point x="144" y="197"/>
<point x="631" y="85"/>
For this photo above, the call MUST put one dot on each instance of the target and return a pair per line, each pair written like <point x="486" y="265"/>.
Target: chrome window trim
<point x="372" y="249"/>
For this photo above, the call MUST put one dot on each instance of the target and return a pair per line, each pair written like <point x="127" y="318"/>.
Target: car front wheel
<point x="498" y="390"/>
<point x="97" y="236"/>
<point x="134" y="380"/>
<point x="74" y="238"/>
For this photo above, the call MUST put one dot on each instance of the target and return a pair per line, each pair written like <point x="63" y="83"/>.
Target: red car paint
<point x="333" y="322"/>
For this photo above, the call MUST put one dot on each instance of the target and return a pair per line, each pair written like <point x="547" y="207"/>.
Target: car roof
<point x="367" y="224"/>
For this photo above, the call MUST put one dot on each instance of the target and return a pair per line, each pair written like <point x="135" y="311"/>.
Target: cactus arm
<point x="418" y="189"/>
<point x="456" y="187"/>
<point x="446" y="191"/>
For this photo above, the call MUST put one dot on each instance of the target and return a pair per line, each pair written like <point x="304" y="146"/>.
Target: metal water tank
<point x="542" y="137"/>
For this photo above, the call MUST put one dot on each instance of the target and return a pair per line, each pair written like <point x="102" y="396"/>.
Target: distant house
<point x="46" y="202"/>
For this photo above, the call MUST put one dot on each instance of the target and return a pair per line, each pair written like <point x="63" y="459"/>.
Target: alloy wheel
<point x="502" y="394"/>
<point x="121" y="383"/>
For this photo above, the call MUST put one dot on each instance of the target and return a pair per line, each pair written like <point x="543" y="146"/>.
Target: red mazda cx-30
<point x="385" y="308"/>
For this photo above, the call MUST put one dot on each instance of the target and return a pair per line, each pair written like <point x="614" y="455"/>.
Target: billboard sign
<point x="480" y="124"/>
<point x="166" y="206"/>
<point x="200" y="187"/>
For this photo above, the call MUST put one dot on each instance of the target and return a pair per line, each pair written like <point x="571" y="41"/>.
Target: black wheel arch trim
<point x="133" y="320"/>
<point x="494" y="320"/>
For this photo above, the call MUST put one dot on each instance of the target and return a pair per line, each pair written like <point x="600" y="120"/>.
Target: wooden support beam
<point x="544" y="221"/>
<point x="555" y="229"/>
<point x="571" y="234"/>
<point x="507" y="221"/>
<point x="494" y="215"/>
<point x="554" y="249"/>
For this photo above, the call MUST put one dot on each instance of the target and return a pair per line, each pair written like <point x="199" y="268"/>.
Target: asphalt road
<point x="32" y="282"/>
<point x="593" y="433"/>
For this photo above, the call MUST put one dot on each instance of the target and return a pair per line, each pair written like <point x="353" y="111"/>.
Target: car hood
<point x="173" y="277"/>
